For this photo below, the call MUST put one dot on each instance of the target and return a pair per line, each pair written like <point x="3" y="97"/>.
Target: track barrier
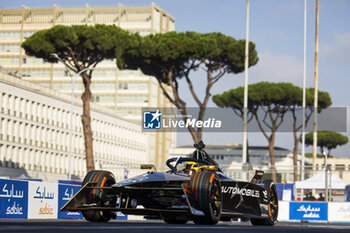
<point x="335" y="212"/>
<point x="23" y="199"/>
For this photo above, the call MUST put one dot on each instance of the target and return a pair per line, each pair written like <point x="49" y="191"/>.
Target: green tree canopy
<point x="326" y="140"/>
<point x="259" y="94"/>
<point x="273" y="100"/>
<point x="180" y="53"/>
<point x="172" y="56"/>
<point x="81" y="48"/>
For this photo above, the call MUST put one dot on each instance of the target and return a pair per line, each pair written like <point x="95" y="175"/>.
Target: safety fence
<point x="21" y="199"/>
<point x="285" y="174"/>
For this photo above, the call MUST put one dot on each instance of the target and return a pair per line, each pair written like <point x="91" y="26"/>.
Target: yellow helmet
<point x="190" y="168"/>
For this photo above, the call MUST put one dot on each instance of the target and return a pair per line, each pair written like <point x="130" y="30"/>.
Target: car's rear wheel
<point x="98" y="196"/>
<point x="206" y="191"/>
<point x="272" y="205"/>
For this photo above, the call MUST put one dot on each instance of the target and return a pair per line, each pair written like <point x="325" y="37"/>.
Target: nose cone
<point x="148" y="177"/>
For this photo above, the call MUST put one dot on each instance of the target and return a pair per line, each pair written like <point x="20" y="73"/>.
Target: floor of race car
<point x="132" y="226"/>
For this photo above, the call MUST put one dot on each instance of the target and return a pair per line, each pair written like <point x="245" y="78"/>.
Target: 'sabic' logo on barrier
<point x="42" y="200"/>
<point x="65" y="193"/>
<point x="339" y="212"/>
<point x="121" y="216"/>
<point x="308" y="211"/>
<point x="13" y="199"/>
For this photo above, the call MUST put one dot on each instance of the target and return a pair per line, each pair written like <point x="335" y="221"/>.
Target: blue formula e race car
<point x="194" y="188"/>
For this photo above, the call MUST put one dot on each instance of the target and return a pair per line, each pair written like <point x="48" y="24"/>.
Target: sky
<point x="276" y="27"/>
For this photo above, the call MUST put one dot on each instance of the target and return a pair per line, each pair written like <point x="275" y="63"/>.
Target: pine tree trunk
<point x="295" y="160"/>
<point x="86" y="120"/>
<point x="196" y="136"/>
<point x="272" y="156"/>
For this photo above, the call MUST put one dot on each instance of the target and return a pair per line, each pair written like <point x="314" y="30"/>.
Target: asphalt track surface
<point x="81" y="226"/>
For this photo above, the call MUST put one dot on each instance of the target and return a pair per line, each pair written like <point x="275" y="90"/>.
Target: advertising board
<point x="13" y="199"/>
<point x="283" y="211"/>
<point x="65" y="193"/>
<point x="339" y="212"/>
<point x="121" y="216"/>
<point x="308" y="211"/>
<point x="43" y="200"/>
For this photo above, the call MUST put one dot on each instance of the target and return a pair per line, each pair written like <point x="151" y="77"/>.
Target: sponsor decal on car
<point x="265" y="194"/>
<point x="240" y="191"/>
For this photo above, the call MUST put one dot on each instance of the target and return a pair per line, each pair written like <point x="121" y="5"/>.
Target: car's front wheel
<point x="98" y="196"/>
<point x="272" y="205"/>
<point x="206" y="193"/>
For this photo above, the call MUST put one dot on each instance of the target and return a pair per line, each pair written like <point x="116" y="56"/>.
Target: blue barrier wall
<point x="280" y="190"/>
<point x="71" y="182"/>
<point x="38" y="200"/>
<point x="13" y="199"/>
<point x="347" y="193"/>
<point x="65" y="193"/>
<point x="308" y="211"/>
<point x="44" y="199"/>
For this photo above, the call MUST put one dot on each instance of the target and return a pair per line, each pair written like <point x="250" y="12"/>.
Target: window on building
<point x="4" y="104"/>
<point x="27" y="34"/>
<point x="95" y="99"/>
<point x="3" y="128"/>
<point x="66" y="73"/>
<point x="9" y="61"/>
<point x="9" y="48"/>
<point x="123" y="85"/>
<point x="13" y="36"/>
<point x="103" y="86"/>
<point x="105" y="72"/>
<point x="138" y="86"/>
<point x="339" y="167"/>
<point x="33" y="61"/>
<point x="137" y="99"/>
<point x="129" y="111"/>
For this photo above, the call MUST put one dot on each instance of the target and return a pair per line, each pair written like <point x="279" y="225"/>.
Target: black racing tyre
<point x="98" y="196"/>
<point x="175" y="220"/>
<point x="272" y="205"/>
<point x="97" y="215"/>
<point x="206" y="193"/>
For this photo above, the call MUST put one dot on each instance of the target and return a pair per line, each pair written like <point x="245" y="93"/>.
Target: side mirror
<point x="148" y="166"/>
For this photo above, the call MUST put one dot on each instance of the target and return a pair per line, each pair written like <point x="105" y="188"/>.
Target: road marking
<point x="161" y="226"/>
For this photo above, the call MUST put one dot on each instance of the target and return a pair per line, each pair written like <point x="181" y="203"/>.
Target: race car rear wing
<point x="257" y="177"/>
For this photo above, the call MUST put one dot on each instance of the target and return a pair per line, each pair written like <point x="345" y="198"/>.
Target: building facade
<point x="337" y="166"/>
<point x="124" y="91"/>
<point x="35" y="135"/>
